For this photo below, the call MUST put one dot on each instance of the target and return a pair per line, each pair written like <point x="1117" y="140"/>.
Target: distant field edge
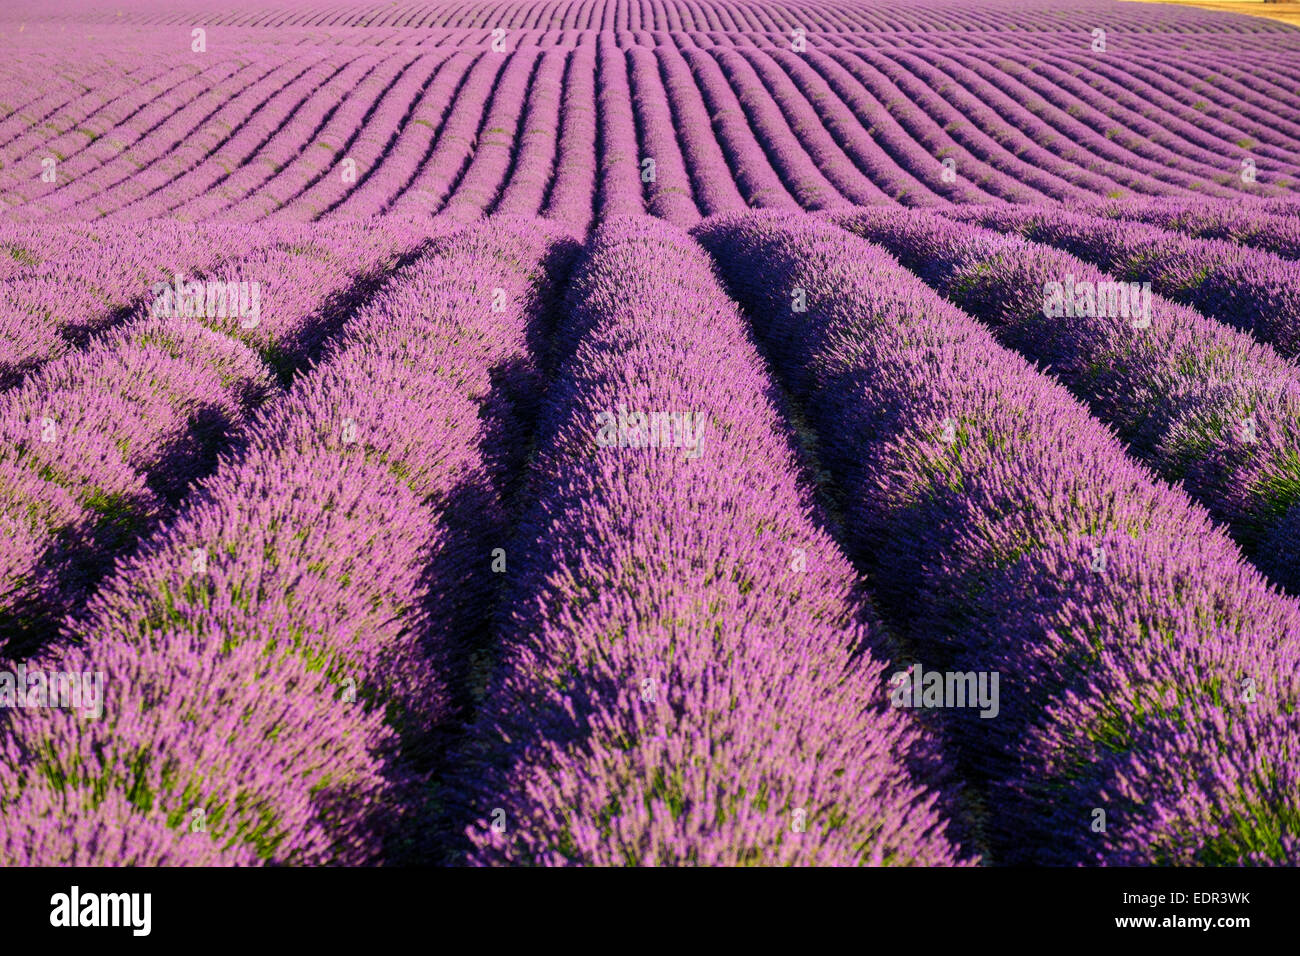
<point x="1287" y="11"/>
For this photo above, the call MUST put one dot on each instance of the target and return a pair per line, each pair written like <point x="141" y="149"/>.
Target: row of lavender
<point x="467" y="129"/>
<point x="1251" y="289"/>
<point x="281" y="656"/>
<point x="289" y="656"/>
<point x="1274" y="228"/>
<point x="688" y="674"/>
<point x="100" y="443"/>
<point x="1203" y="403"/>
<point x="1149" y="675"/>
<point x="939" y="17"/>
<point x="60" y="287"/>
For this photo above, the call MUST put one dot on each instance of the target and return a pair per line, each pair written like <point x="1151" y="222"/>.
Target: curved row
<point x="1199" y="401"/>
<point x="101" y="444"/>
<point x="1148" y="675"/>
<point x="1247" y="288"/>
<point x="331" y="559"/>
<point x="83" y="281"/>
<point x="1273" y="229"/>
<point x="814" y="119"/>
<point x="686" y="675"/>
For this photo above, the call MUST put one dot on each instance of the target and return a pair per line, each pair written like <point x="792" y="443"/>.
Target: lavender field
<point x="649" y="432"/>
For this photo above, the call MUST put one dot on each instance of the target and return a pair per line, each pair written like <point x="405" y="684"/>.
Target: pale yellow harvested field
<point x="1286" y="12"/>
